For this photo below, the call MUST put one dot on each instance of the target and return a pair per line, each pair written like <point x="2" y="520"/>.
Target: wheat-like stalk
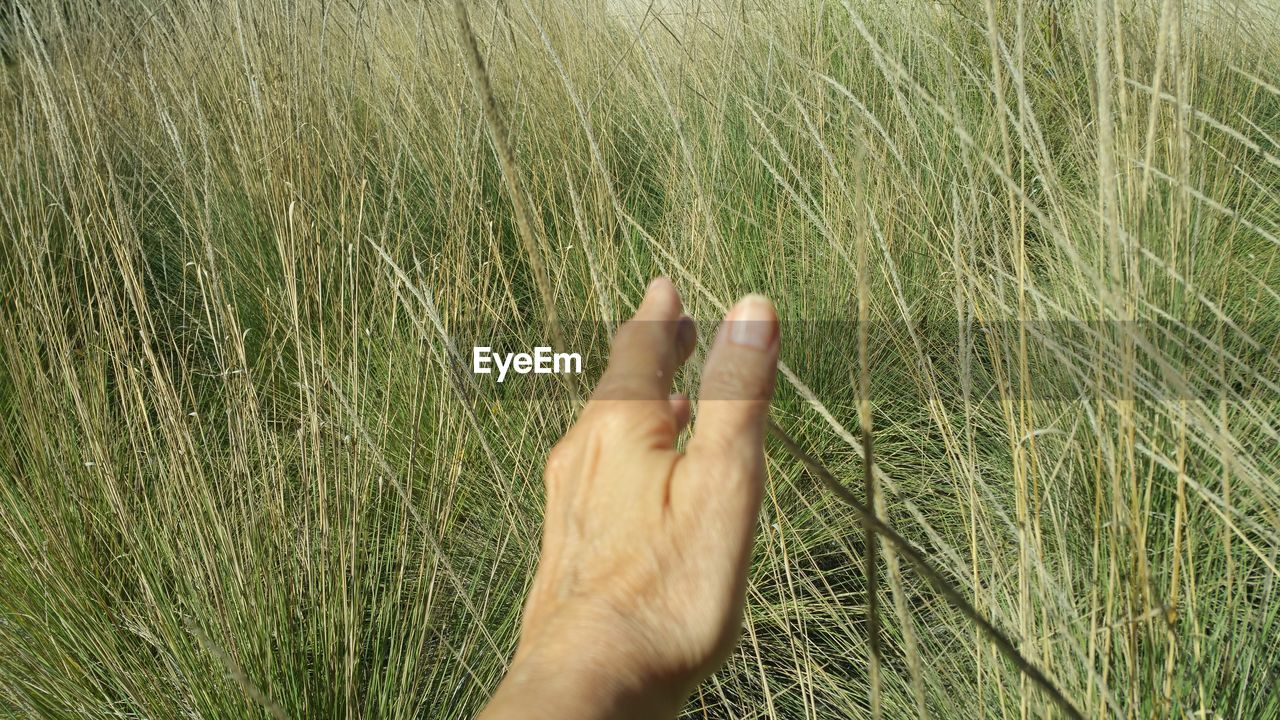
<point x="235" y="672"/>
<point x="940" y="583"/>
<point x="511" y="174"/>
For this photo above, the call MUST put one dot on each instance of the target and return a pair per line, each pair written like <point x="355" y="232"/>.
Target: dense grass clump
<point x="245" y="249"/>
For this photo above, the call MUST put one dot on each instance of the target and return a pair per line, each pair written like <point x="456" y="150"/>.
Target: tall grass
<point x="247" y="247"/>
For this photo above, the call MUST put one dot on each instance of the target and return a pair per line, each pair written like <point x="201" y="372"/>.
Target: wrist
<point x="580" y="683"/>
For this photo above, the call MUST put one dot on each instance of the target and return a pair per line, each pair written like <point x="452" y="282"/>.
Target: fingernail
<point x="686" y="334"/>
<point x="753" y="322"/>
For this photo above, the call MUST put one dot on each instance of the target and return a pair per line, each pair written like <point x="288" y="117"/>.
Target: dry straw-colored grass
<point x="1029" y="246"/>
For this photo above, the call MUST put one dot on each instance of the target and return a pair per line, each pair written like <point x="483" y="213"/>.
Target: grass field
<point x="246" y="247"/>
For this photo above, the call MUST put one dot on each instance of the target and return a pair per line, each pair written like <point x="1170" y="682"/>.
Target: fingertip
<point x="661" y="282"/>
<point x="661" y="299"/>
<point x="753" y="323"/>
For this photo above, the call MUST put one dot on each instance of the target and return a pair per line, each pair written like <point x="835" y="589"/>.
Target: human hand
<point x="639" y="590"/>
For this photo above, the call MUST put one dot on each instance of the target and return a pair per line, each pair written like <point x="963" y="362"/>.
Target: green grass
<point x="240" y="468"/>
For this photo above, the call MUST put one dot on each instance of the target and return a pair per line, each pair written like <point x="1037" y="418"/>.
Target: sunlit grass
<point x="243" y="468"/>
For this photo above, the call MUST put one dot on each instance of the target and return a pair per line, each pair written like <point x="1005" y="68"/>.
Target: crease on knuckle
<point x="731" y="382"/>
<point x="638" y="420"/>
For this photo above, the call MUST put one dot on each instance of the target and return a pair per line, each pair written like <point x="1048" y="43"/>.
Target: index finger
<point x="648" y="348"/>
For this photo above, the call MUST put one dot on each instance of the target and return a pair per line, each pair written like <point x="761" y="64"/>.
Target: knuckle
<point x="734" y="381"/>
<point x="726" y="384"/>
<point x="557" y="463"/>
<point x="630" y="419"/>
<point x="612" y="418"/>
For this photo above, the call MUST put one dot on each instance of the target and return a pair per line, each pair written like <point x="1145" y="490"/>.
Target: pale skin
<point x="639" y="590"/>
